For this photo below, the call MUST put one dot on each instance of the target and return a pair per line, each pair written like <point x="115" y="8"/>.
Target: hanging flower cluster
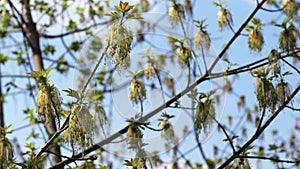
<point x="134" y="136"/>
<point x="176" y="14"/>
<point x="201" y="38"/>
<point x="6" y="149"/>
<point x="265" y="90"/>
<point x="283" y="91"/>
<point x="288" y="37"/>
<point x="266" y="94"/>
<point x="48" y="101"/>
<point x="167" y="130"/>
<point x="149" y="70"/>
<point x="81" y="127"/>
<point x="255" y="37"/>
<point x="48" y="98"/>
<point x="137" y="91"/>
<point x="119" y="40"/>
<point x="290" y="7"/>
<point x="205" y="111"/>
<point x="224" y="18"/>
<point x="183" y="54"/>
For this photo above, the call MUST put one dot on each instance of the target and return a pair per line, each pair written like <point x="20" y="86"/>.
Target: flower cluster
<point x="183" y="55"/>
<point x="176" y="14"/>
<point x="167" y="131"/>
<point x="48" y="102"/>
<point x="283" y="91"/>
<point x="137" y="91"/>
<point x="224" y="18"/>
<point x="266" y="94"/>
<point x="255" y="40"/>
<point x="134" y="136"/>
<point x="201" y="38"/>
<point x="149" y="70"/>
<point x="204" y="112"/>
<point x="288" y="38"/>
<point x="290" y="7"/>
<point x="119" y="40"/>
<point x="6" y="150"/>
<point x="81" y="127"/>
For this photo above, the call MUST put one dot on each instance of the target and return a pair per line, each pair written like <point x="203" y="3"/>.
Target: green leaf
<point x="72" y="25"/>
<point x="73" y="93"/>
<point x="49" y="49"/>
<point x="273" y="147"/>
<point x="75" y="46"/>
<point x="133" y="16"/>
<point x="3" y="58"/>
<point x="115" y="15"/>
<point x="62" y="65"/>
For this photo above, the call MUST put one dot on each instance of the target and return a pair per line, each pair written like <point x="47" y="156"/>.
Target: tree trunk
<point x="1" y="104"/>
<point x="33" y="40"/>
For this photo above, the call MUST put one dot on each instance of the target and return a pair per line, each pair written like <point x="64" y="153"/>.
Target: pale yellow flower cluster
<point x="119" y="40"/>
<point x="134" y="137"/>
<point x="205" y="112"/>
<point x="183" y="55"/>
<point x="224" y="18"/>
<point x="48" y="101"/>
<point x="6" y="152"/>
<point x="149" y="70"/>
<point x="167" y="131"/>
<point x="137" y="91"/>
<point x="288" y="38"/>
<point x="255" y="40"/>
<point x="176" y="13"/>
<point x="290" y="7"/>
<point x="202" y="40"/>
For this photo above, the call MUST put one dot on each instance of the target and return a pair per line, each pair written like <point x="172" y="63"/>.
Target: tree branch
<point x="75" y="31"/>
<point x="269" y="158"/>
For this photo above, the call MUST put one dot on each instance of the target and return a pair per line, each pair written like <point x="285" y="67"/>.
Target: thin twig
<point x="77" y="159"/>
<point x="292" y="66"/>
<point x="292" y="108"/>
<point x="269" y="158"/>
